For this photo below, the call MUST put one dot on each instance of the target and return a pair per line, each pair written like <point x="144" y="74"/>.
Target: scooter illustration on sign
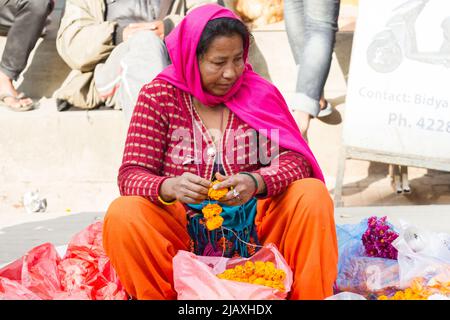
<point x="398" y="40"/>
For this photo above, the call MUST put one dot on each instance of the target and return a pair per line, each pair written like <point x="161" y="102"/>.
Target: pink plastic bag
<point x="87" y="271"/>
<point x="36" y="271"/>
<point x="195" y="277"/>
<point x="84" y="273"/>
<point x="12" y="290"/>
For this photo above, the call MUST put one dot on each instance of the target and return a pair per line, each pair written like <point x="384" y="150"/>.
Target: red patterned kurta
<point x="164" y="131"/>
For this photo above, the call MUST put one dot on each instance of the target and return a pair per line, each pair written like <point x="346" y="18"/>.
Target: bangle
<point x="165" y="202"/>
<point x="254" y="180"/>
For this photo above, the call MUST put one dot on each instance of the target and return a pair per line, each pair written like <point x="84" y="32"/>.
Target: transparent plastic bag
<point x="349" y="241"/>
<point x="346" y="296"/>
<point x="369" y="276"/>
<point x="358" y="273"/>
<point x="422" y="254"/>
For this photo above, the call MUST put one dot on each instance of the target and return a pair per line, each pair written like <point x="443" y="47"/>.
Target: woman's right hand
<point x="187" y="188"/>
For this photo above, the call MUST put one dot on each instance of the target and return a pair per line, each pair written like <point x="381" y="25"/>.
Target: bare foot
<point x="302" y="119"/>
<point x="323" y="103"/>
<point x="15" y="102"/>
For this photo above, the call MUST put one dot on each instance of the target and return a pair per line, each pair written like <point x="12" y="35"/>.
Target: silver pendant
<point x="211" y="152"/>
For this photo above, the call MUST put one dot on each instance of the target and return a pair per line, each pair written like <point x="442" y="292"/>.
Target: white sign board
<point x="398" y="98"/>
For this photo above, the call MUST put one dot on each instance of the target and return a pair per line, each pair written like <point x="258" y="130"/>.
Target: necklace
<point x="215" y="138"/>
<point x="211" y="150"/>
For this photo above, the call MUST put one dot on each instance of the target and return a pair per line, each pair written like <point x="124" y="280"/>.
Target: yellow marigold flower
<point x="214" y="223"/>
<point x="238" y="268"/>
<point x="383" y="298"/>
<point x="216" y="194"/>
<point x="248" y="273"/>
<point x="211" y="210"/>
<point x="279" y="275"/>
<point x="269" y="283"/>
<point x="258" y="273"/>
<point x="229" y="272"/>
<point x="399" y="295"/>
<point x="240" y="271"/>
<point x="268" y="274"/>
<point x="260" y="281"/>
<point x="270" y="265"/>
<point x="416" y="285"/>
<point x="249" y="267"/>
<point x="409" y="294"/>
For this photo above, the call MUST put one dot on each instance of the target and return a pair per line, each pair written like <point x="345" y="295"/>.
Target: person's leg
<point x="313" y="50"/>
<point x="300" y="222"/>
<point x="321" y="18"/>
<point x="25" y="20"/>
<point x="131" y="65"/>
<point x="146" y="58"/>
<point x="108" y="76"/>
<point x="294" y="18"/>
<point x="141" y="238"/>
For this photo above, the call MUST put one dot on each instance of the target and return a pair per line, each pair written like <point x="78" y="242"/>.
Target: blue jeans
<point x="24" y="20"/>
<point x="311" y="27"/>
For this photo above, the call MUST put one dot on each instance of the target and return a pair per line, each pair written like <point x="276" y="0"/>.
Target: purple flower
<point x="378" y="238"/>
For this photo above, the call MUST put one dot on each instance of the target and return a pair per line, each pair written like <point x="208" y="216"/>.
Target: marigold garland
<point x="211" y="212"/>
<point x="260" y="273"/>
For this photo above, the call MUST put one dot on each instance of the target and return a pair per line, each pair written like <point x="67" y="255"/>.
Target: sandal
<point x="19" y="107"/>
<point x="325" y="111"/>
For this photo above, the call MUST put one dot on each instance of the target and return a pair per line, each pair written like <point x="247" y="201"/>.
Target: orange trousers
<point x="141" y="238"/>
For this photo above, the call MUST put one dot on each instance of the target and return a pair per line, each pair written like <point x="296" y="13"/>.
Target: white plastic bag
<point x="346" y="296"/>
<point x="422" y="253"/>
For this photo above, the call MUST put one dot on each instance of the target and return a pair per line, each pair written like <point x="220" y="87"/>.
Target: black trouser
<point x="24" y="20"/>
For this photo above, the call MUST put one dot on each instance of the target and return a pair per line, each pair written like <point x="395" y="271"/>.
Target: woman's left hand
<point x="243" y="188"/>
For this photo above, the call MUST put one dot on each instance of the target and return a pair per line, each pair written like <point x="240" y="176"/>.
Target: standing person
<point x="311" y="27"/>
<point x="25" y="21"/>
<point x="194" y="123"/>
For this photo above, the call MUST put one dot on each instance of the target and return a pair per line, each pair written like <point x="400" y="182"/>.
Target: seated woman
<point x="208" y="117"/>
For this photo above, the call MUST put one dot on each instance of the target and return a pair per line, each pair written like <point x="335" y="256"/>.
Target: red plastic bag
<point x="195" y="277"/>
<point x="84" y="273"/>
<point x="12" y="290"/>
<point x="36" y="271"/>
<point x="40" y="271"/>
<point x="87" y="270"/>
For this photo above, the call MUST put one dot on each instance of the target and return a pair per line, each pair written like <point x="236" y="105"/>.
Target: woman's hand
<point x="188" y="188"/>
<point x="243" y="188"/>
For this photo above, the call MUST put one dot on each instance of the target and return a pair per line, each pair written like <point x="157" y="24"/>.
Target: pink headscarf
<point x="253" y="99"/>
